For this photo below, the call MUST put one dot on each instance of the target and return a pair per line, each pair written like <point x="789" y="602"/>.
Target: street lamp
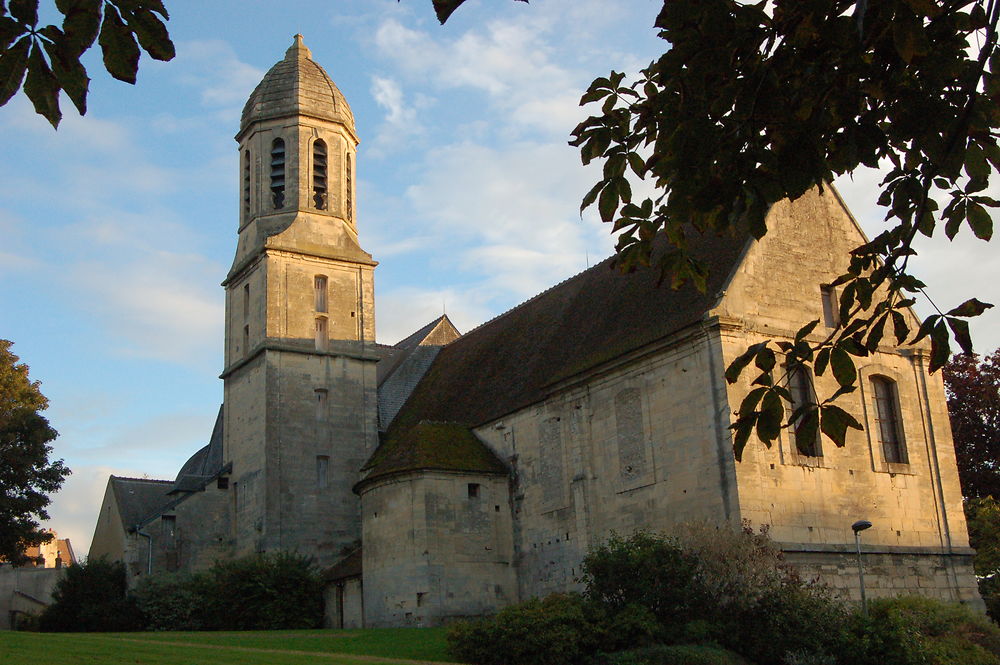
<point x="858" y="527"/>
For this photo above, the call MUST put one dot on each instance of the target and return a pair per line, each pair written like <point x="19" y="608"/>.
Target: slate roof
<point x="404" y="364"/>
<point x="204" y="465"/>
<point x="431" y="446"/>
<point x="139" y="498"/>
<point x="600" y="314"/>
<point x="297" y="85"/>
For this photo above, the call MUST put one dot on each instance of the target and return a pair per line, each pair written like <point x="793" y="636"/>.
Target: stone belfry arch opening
<point x="286" y="343"/>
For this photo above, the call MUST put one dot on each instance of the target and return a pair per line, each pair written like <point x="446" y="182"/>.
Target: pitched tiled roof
<point x="431" y="446"/>
<point x="599" y="315"/>
<point x="139" y="498"/>
<point x="349" y="566"/>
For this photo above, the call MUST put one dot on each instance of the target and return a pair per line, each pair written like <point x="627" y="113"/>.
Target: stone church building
<point x="449" y="475"/>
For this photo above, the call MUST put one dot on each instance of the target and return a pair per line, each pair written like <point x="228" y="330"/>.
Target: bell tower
<point x="300" y="388"/>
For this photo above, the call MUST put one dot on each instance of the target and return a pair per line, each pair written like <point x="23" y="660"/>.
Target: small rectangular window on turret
<point x="321" y="333"/>
<point x="319" y="285"/>
<point x="278" y="174"/>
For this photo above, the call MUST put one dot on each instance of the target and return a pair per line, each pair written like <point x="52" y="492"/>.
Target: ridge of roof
<point x="587" y="320"/>
<point x="141" y="480"/>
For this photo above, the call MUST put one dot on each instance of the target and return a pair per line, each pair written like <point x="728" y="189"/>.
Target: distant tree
<point x="973" y="388"/>
<point x="983" y="517"/>
<point x="27" y="477"/>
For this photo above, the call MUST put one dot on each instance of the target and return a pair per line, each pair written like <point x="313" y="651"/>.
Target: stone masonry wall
<point x="635" y="448"/>
<point x="434" y="552"/>
<point x="812" y="501"/>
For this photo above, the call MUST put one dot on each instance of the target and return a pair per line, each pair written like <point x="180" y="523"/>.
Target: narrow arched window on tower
<point x="246" y="185"/>
<point x="319" y="174"/>
<point x="278" y="173"/>
<point x="889" y="427"/>
<point x="348" y="181"/>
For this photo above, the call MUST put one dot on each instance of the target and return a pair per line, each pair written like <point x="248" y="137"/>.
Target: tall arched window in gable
<point x="889" y="427"/>
<point x="246" y="185"/>
<point x="278" y="173"/>
<point x="800" y="386"/>
<point x="350" y="185"/>
<point x="319" y="174"/>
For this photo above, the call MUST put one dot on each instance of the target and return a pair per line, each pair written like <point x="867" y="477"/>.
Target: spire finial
<point x="298" y="49"/>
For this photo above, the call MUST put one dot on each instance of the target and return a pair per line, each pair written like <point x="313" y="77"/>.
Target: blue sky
<point x="117" y="229"/>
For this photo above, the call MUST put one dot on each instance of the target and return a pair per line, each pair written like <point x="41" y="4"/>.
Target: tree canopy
<point x="973" y="388"/>
<point x="750" y="103"/>
<point x="757" y="102"/>
<point x="27" y="476"/>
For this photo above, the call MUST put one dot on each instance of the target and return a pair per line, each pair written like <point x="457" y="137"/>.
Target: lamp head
<point x="861" y="525"/>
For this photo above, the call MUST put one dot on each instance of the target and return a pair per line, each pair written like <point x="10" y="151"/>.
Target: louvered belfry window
<point x="348" y="181"/>
<point x="319" y="175"/>
<point x="246" y="184"/>
<point x="278" y="174"/>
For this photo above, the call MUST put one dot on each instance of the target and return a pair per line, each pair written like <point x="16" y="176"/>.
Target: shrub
<point x="650" y="571"/>
<point x="261" y="592"/>
<point x="916" y="630"/>
<point x="171" y="601"/>
<point x="92" y="596"/>
<point x="716" y="584"/>
<point x="555" y="630"/>
<point x="678" y="654"/>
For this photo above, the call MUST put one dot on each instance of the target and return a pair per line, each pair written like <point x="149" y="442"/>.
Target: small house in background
<point x="27" y="590"/>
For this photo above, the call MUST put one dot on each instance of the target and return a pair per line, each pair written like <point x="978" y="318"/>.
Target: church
<point x="452" y="474"/>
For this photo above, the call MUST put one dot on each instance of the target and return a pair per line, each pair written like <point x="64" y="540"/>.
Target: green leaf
<point x="834" y="422"/>
<point x="81" y="24"/>
<point x="71" y="76"/>
<point x="843" y="366"/>
<point x="940" y="346"/>
<point x="975" y="162"/>
<point x="765" y="359"/>
<point x="960" y="328"/>
<point x="899" y="327"/>
<point x="636" y="164"/>
<point x="42" y="88"/>
<point x="806" y="429"/>
<point x="591" y="196"/>
<point x="971" y="307"/>
<point x="444" y="8"/>
<point x="737" y="366"/>
<point x="742" y="429"/>
<point x="822" y="360"/>
<point x="980" y="221"/>
<point x="608" y="202"/>
<point x="13" y="63"/>
<point x="9" y="31"/>
<point x="121" y="53"/>
<point x="25" y="11"/>
<point x="769" y="420"/>
<point x="806" y="329"/>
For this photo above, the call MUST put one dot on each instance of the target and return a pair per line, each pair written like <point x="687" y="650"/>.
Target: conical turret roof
<point x="297" y="85"/>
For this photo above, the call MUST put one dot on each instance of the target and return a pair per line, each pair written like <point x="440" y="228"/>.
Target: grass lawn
<point x="280" y="647"/>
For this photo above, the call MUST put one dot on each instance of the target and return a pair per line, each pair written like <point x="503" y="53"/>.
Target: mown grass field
<point x="282" y="647"/>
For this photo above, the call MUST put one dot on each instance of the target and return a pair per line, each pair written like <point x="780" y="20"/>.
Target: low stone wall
<point x="893" y="571"/>
<point x="25" y="591"/>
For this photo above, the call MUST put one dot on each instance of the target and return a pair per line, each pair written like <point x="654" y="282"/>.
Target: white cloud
<point x="212" y="66"/>
<point x="402" y="311"/>
<point x="400" y="121"/>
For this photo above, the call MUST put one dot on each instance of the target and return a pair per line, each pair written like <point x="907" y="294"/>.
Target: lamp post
<point x="858" y="527"/>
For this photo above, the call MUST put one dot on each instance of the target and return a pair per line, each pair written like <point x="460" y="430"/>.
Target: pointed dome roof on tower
<point x="297" y="85"/>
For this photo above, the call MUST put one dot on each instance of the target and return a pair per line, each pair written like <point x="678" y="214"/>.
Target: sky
<point x="117" y="229"/>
